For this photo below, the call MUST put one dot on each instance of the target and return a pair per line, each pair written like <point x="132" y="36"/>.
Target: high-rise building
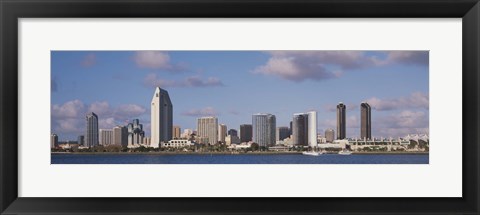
<point x="245" y="133"/>
<point x="135" y="133"/>
<point x="282" y="133"/>
<point x="263" y="127"/>
<point x="176" y="132"/>
<point x="300" y="129"/>
<point x="341" y="123"/>
<point x="81" y="140"/>
<point x="222" y="132"/>
<point x="207" y="130"/>
<point x="53" y="141"/>
<point x="305" y="129"/>
<point x="291" y="125"/>
<point x="232" y="132"/>
<point x="161" y="117"/>
<point x="120" y="135"/>
<point x="312" y="128"/>
<point x="329" y="135"/>
<point x="105" y="137"/>
<point x="91" y="135"/>
<point x="366" y="121"/>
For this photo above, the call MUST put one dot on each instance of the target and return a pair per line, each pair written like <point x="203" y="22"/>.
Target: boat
<point x="345" y="152"/>
<point x="311" y="153"/>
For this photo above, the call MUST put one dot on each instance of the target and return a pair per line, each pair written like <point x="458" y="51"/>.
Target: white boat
<point x="311" y="153"/>
<point x="345" y="152"/>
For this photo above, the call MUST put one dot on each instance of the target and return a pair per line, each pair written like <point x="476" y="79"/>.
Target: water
<point x="237" y="159"/>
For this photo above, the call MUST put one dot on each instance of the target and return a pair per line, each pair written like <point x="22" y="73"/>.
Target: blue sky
<point x="233" y="85"/>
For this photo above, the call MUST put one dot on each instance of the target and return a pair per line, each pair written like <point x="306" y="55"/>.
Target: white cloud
<point x="415" y="100"/>
<point x="152" y="60"/>
<point x="151" y="80"/>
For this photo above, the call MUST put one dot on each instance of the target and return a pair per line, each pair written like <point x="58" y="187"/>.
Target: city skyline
<point x="399" y="111"/>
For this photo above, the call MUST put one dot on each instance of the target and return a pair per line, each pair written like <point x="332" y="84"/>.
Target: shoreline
<point x="227" y="153"/>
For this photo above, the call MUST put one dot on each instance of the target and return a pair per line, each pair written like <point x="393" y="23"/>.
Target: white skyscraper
<point x="312" y="128"/>
<point x="161" y="117"/>
<point x="106" y="137"/>
<point x="222" y="132"/>
<point x="207" y="130"/>
<point x="264" y="128"/>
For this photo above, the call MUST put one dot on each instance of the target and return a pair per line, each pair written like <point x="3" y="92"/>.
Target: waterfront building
<point x="291" y="125"/>
<point x="365" y="121"/>
<point x="329" y="135"/>
<point x="263" y="127"/>
<point x="53" y="141"/>
<point x="207" y="130"/>
<point x="341" y="123"/>
<point x="300" y="129"/>
<point x="282" y="133"/>
<point x="135" y="133"/>
<point x="312" y="128"/>
<point x="91" y="135"/>
<point x="222" y="132"/>
<point x="245" y="133"/>
<point x="232" y="132"/>
<point x="105" y="137"/>
<point x="120" y="135"/>
<point x="177" y="143"/>
<point x="147" y="141"/>
<point x="81" y="140"/>
<point x="229" y="140"/>
<point x="161" y="122"/>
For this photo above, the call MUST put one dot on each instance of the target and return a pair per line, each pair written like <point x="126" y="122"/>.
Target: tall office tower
<point x="176" y="132"/>
<point x="232" y="132"/>
<point x="282" y="133"/>
<point x="312" y="128"/>
<point x="120" y="135"/>
<point x="366" y="121"/>
<point x="81" y="140"/>
<point x="91" y="135"/>
<point x="341" y="123"/>
<point x="135" y="133"/>
<point x="329" y="135"/>
<point x="300" y="129"/>
<point x="105" y="137"/>
<point x="207" y="130"/>
<point x="263" y="127"/>
<point x="222" y="132"/>
<point x="53" y="141"/>
<point x="161" y="117"/>
<point x="245" y="133"/>
<point x="291" y="124"/>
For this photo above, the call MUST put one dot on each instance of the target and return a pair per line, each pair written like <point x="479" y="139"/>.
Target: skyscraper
<point x="366" y="121"/>
<point x="105" y="137"/>
<point x="245" y="133"/>
<point x="232" y="132"/>
<point x="161" y="117"/>
<point x="329" y="135"/>
<point x="207" y="130"/>
<point x="135" y="133"/>
<point x="53" y="141"/>
<point x="263" y="127"/>
<point x="91" y="135"/>
<point x="120" y="135"/>
<point x="176" y="132"/>
<point x="312" y="128"/>
<point x="282" y="133"/>
<point x="341" y="123"/>
<point x="81" y="140"/>
<point x="222" y="132"/>
<point x="300" y="129"/>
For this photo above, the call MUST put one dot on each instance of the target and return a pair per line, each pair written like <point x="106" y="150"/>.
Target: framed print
<point x="239" y="107"/>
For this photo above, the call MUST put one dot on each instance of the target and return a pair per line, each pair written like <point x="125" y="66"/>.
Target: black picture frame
<point x="12" y="10"/>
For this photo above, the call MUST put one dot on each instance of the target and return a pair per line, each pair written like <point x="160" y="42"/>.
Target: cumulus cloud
<point x="89" y="60"/>
<point x="157" y="60"/>
<point x="402" y="123"/>
<point x="208" y="111"/>
<point x="151" y="80"/>
<point x="299" y="66"/>
<point x="69" y="117"/>
<point x="415" y="100"/>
